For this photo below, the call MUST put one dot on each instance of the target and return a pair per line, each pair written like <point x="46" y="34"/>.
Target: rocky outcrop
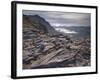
<point x="42" y="51"/>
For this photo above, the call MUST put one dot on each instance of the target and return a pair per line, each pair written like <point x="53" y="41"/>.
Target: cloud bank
<point x="62" y="18"/>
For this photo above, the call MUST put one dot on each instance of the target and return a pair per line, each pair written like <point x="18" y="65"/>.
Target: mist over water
<point x="75" y="32"/>
<point x="64" y="30"/>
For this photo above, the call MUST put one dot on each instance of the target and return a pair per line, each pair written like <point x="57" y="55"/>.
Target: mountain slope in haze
<point x="37" y="22"/>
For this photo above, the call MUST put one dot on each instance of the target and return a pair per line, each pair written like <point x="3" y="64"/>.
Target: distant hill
<point x="37" y="22"/>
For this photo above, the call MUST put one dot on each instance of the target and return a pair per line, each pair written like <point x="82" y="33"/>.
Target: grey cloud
<point x="63" y="18"/>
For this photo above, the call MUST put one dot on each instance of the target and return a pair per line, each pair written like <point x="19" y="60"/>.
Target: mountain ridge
<point x="37" y="22"/>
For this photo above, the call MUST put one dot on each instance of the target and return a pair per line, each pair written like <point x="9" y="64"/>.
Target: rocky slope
<point x="43" y="47"/>
<point x="37" y="22"/>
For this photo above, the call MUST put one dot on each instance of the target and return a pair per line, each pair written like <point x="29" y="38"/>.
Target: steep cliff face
<point x="37" y="22"/>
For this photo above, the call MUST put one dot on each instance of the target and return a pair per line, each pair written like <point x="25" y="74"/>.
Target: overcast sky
<point x="62" y="18"/>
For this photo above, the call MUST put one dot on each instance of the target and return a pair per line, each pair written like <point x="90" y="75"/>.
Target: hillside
<point x="37" y="22"/>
